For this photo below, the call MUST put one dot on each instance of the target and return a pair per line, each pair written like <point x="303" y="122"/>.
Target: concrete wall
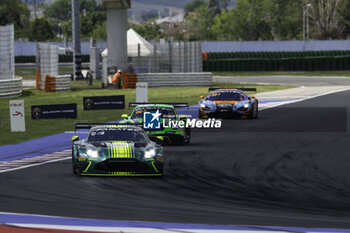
<point x="7" y="68"/>
<point x="175" y="79"/>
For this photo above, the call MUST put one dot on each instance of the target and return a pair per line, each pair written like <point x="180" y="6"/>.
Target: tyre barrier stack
<point x="10" y="88"/>
<point x="129" y="81"/>
<point x="176" y="79"/>
<point x="57" y="83"/>
<point x="278" y="61"/>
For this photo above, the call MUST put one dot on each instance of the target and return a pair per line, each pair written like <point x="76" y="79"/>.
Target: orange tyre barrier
<point x="50" y="83"/>
<point x="129" y="81"/>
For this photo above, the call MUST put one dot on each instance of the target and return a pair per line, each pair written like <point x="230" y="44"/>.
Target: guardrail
<point x="10" y="88"/>
<point x="57" y="83"/>
<point x="175" y="79"/>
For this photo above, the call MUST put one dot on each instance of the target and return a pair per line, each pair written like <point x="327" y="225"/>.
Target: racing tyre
<point x="187" y="138"/>
<point x="75" y="166"/>
<point x="256" y="114"/>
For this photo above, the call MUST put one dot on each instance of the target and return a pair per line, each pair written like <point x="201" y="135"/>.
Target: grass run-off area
<point x="292" y="73"/>
<point x="40" y="128"/>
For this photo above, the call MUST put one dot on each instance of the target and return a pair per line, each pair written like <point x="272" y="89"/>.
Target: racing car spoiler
<point x="90" y="125"/>
<point x="241" y="88"/>
<point x="176" y="105"/>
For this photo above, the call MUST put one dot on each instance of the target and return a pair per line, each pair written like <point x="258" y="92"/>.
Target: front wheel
<point x="75" y="164"/>
<point x="256" y="114"/>
<point x="187" y="137"/>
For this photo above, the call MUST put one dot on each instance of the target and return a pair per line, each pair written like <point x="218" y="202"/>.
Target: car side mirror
<point x="125" y="116"/>
<point x="202" y="97"/>
<point x="75" y="138"/>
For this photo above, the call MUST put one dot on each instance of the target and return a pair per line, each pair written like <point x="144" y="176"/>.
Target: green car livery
<point x="116" y="150"/>
<point x="170" y="130"/>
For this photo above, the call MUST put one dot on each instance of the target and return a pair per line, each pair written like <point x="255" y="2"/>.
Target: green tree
<point x="200" y="24"/>
<point x="149" y="32"/>
<point x="193" y="5"/>
<point x="217" y="6"/>
<point x="40" y="30"/>
<point x="344" y="17"/>
<point x="61" y="9"/>
<point x="17" y="13"/>
<point x="91" y="21"/>
<point x="100" y="32"/>
<point x="179" y="35"/>
<point x="286" y="19"/>
<point x="67" y="28"/>
<point x="325" y="19"/>
<point x="250" y="20"/>
<point x="224" y="27"/>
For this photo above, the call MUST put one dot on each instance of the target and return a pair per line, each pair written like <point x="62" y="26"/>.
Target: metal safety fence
<point x="165" y="57"/>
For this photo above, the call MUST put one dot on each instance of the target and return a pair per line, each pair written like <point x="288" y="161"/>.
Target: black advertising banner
<point x="54" y="111"/>
<point x="104" y="102"/>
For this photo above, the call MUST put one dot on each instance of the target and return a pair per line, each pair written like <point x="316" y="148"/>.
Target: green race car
<point x="172" y="126"/>
<point x="116" y="150"/>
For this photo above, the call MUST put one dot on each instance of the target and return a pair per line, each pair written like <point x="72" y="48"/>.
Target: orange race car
<point x="228" y="103"/>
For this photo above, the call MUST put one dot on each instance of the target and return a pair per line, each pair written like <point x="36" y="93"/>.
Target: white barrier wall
<point x="63" y="83"/>
<point x="7" y="57"/>
<point x="48" y="59"/>
<point x="175" y="79"/>
<point x="10" y="88"/>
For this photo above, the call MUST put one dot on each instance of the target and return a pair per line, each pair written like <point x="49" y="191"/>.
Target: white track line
<point x="307" y="98"/>
<point x="34" y="161"/>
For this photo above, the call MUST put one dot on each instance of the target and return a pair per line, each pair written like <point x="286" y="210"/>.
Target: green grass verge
<point x="299" y="73"/>
<point x="40" y="128"/>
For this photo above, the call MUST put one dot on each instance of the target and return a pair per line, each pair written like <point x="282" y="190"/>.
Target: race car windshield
<point x="166" y="112"/>
<point x="228" y="96"/>
<point x="117" y="134"/>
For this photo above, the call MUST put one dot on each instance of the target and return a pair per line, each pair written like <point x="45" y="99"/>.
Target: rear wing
<point x="176" y="105"/>
<point x="90" y="125"/>
<point x="241" y="89"/>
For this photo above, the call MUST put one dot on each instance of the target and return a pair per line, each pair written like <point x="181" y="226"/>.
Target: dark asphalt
<point x="288" y="168"/>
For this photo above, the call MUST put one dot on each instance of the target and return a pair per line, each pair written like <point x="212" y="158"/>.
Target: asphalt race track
<point x="291" y="167"/>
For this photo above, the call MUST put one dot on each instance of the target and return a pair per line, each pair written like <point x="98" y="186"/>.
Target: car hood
<point x="118" y="149"/>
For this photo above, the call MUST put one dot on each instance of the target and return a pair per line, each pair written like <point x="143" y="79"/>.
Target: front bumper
<point x="122" y="167"/>
<point x="224" y="114"/>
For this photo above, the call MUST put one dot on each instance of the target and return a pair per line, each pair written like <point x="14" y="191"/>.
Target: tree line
<point x="268" y="19"/>
<point x="208" y="20"/>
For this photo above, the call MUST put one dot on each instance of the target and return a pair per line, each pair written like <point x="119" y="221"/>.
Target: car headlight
<point x="203" y="106"/>
<point x="150" y="153"/>
<point x="92" y="153"/>
<point x="246" y="106"/>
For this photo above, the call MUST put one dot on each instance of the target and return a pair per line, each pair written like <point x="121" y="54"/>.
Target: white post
<point x="17" y="116"/>
<point x="142" y="92"/>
